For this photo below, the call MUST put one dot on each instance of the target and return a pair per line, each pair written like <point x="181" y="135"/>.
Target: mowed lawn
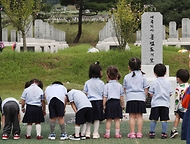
<point x="112" y="140"/>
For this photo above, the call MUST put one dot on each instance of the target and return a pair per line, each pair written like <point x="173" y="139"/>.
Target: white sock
<point x="77" y="130"/>
<point x="38" y="129"/>
<point x="88" y="126"/>
<point x="28" y="130"/>
<point x="96" y="126"/>
<point x="83" y="130"/>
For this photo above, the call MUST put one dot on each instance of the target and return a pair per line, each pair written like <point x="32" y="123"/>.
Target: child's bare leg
<point x="132" y="122"/>
<point x="176" y="122"/>
<point x="62" y="124"/>
<point x="139" y="122"/>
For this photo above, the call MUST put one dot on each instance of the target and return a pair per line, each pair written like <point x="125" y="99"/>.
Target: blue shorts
<point x="181" y="114"/>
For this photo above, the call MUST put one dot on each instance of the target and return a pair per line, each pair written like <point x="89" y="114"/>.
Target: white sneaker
<point x="51" y="137"/>
<point x="63" y="137"/>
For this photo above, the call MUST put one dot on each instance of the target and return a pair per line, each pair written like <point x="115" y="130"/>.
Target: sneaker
<point x="63" y="137"/>
<point x="131" y="135"/>
<point x="82" y="137"/>
<point x="5" y="137"/>
<point x="87" y="135"/>
<point x="96" y="136"/>
<point x="27" y="137"/>
<point x="73" y="137"/>
<point x="151" y="135"/>
<point x="107" y="136"/>
<point x="164" y="136"/>
<point x="173" y="134"/>
<point x="51" y="136"/>
<point x="118" y="135"/>
<point x="16" y="137"/>
<point x="39" y="137"/>
<point x="139" y="135"/>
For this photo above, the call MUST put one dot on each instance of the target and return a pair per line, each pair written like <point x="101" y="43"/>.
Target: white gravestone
<point x="38" y="29"/>
<point x="29" y="31"/>
<point x="46" y="30"/>
<point x="152" y="24"/>
<point x="13" y="35"/>
<point x="4" y="35"/>
<point x="185" y="40"/>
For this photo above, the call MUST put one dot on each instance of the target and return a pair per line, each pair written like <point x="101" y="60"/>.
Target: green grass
<point x="112" y="140"/>
<point x="70" y="66"/>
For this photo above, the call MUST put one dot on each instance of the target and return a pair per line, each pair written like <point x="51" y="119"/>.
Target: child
<point x="160" y="90"/>
<point x="33" y="97"/>
<point x="93" y="88"/>
<point x="55" y="95"/>
<point x="10" y="117"/>
<point x="83" y="109"/>
<point x="113" y="102"/>
<point x="136" y="89"/>
<point x="182" y="77"/>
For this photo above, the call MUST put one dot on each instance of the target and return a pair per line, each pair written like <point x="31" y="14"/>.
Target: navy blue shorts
<point x="84" y="115"/>
<point x="181" y="114"/>
<point x="159" y="112"/>
<point x="56" y="108"/>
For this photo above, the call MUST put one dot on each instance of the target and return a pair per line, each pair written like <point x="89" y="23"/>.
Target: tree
<point x="20" y="14"/>
<point x="126" y="20"/>
<point x="93" y="6"/>
<point x="173" y="10"/>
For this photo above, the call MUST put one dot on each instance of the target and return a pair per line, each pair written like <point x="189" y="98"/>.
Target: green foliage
<point x="70" y="66"/>
<point x="126" y="19"/>
<point x="173" y="10"/>
<point x="20" y="14"/>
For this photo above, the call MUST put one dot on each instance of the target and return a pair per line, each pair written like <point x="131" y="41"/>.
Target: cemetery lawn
<point x="112" y="140"/>
<point x="70" y="66"/>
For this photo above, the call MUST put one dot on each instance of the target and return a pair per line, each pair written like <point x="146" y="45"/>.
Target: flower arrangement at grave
<point x="2" y="46"/>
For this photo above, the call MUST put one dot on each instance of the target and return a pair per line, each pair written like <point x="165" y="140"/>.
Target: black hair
<point x="94" y="70"/>
<point x="37" y="81"/>
<point x="183" y="75"/>
<point x="135" y="64"/>
<point x="27" y="84"/>
<point x="113" y="73"/>
<point x="160" y="69"/>
<point x="57" y="82"/>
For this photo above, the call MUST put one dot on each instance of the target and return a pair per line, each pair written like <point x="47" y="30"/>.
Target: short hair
<point x="183" y="75"/>
<point x="27" y="84"/>
<point x="94" y="70"/>
<point x="160" y="69"/>
<point x="57" y="82"/>
<point x="113" y="73"/>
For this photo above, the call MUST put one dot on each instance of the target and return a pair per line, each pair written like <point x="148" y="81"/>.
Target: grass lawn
<point x="112" y="140"/>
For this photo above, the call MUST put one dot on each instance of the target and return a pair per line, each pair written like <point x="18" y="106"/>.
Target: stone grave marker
<point x="39" y="29"/>
<point x="13" y="35"/>
<point x="4" y="35"/>
<point x="152" y="25"/>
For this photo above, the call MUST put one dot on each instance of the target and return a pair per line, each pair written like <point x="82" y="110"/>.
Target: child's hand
<point x="23" y="110"/>
<point x="44" y="112"/>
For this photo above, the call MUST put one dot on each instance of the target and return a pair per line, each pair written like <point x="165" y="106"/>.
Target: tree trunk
<point x="77" y="38"/>
<point x="24" y="41"/>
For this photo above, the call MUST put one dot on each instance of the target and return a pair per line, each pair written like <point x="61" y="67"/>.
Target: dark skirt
<point x="113" y="109"/>
<point x="97" y="110"/>
<point x="135" y="107"/>
<point x="33" y="114"/>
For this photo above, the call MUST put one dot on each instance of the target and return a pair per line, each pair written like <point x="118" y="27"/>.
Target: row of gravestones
<point x="173" y="38"/>
<point x="42" y="30"/>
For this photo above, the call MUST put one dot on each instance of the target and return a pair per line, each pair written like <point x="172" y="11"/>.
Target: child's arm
<point x="74" y="107"/>
<point x="3" y="120"/>
<point x="122" y="102"/>
<point x="104" y="102"/>
<point x="66" y="101"/>
<point x="22" y="105"/>
<point x="146" y="92"/>
<point x="44" y="107"/>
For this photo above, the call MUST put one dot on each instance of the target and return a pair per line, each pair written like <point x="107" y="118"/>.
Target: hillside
<point x="70" y="66"/>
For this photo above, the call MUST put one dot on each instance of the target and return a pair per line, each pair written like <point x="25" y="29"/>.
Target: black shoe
<point x="173" y="134"/>
<point x="151" y="135"/>
<point x="164" y="136"/>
